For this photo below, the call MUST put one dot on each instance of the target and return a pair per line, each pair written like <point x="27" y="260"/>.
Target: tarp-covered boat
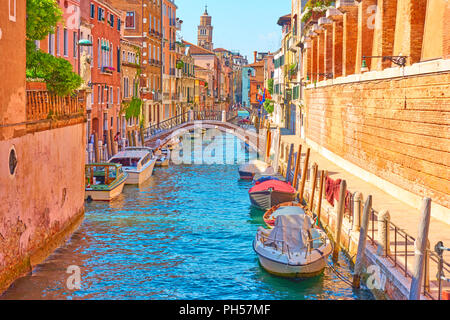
<point x="248" y="171"/>
<point x="284" y="209"/>
<point x="271" y="193"/>
<point x="293" y="248"/>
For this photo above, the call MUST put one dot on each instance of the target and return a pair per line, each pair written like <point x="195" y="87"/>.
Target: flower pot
<point x="36" y="86"/>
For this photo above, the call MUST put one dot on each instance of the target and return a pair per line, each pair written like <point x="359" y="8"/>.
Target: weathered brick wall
<point x="409" y="29"/>
<point x="397" y="129"/>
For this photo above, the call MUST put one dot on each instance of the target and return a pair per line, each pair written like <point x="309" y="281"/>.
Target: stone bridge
<point x="257" y="141"/>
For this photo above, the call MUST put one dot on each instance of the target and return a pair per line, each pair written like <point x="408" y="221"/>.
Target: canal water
<point x="186" y="234"/>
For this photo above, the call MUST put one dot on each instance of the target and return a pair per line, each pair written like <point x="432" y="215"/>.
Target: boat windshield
<point x="127" y="162"/>
<point x="100" y="175"/>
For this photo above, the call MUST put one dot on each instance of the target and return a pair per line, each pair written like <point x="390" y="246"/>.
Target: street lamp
<point x="398" y="60"/>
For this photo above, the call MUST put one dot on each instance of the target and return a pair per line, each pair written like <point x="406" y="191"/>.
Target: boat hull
<point x="272" y="263"/>
<point x="164" y="163"/>
<point x="278" y="269"/>
<point x="244" y="175"/>
<point x="267" y="199"/>
<point x="105" y="195"/>
<point x="139" y="177"/>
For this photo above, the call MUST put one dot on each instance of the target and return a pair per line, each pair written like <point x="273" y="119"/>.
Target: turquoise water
<point x="243" y="114"/>
<point x="186" y="234"/>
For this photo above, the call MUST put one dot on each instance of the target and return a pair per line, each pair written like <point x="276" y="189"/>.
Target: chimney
<point x="255" y="53"/>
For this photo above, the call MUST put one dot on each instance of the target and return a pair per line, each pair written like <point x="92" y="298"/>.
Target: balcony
<point x="107" y="70"/>
<point x="42" y="105"/>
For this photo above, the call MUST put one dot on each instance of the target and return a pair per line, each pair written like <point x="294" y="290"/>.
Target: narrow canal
<point x="186" y="234"/>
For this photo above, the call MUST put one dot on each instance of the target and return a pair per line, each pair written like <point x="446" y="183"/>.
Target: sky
<point x="239" y="25"/>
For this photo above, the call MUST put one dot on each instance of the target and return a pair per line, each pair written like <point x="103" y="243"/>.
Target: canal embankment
<point x="390" y="250"/>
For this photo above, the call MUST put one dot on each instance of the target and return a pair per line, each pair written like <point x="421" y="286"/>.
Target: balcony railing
<point x="43" y="105"/>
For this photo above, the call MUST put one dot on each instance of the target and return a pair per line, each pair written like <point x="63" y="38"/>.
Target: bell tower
<point x="205" y="31"/>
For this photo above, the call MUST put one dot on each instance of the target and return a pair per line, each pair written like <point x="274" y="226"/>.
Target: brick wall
<point x="397" y="129"/>
<point x="366" y="25"/>
<point x="434" y="29"/>
<point x="409" y="29"/>
<point x="350" y="40"/>
<point x="328" y="49"/>
<point x="384" y="33"/>
<point x="320" y="56"/>
<point x="337" y="48"/>
<point x="446" y="38"/>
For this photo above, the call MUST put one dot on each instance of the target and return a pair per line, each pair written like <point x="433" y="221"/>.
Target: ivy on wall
<point x="42" y="18"/>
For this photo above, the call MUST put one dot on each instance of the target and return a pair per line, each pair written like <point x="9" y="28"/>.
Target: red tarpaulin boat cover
<point x="276" y="185"/>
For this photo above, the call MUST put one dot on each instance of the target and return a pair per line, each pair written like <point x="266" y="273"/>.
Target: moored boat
<point x="104" y="181"/>
<point x="138" y="162"/>
<point x="249" y="170"/>
<point x="293" y="248"/>
<point x="271" y="193"/>
<point x="283" y="209"/>
<point x="163" y="158"/>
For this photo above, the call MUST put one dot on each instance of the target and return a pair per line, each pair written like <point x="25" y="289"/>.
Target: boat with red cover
<point x="271" y="193"/>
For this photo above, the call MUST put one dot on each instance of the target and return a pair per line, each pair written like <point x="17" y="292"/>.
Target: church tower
<point x="205" y="31"/>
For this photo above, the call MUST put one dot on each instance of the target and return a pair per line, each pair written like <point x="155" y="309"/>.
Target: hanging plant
<point x="180" y="64"/>
<point x="133" y="108"/>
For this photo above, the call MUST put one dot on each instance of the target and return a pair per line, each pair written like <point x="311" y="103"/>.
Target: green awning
<point x="85" y="42"/>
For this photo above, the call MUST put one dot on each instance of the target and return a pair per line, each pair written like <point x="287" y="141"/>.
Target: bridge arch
<point x="256" y="141"/>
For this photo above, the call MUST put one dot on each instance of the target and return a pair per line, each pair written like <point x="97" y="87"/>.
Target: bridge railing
<point x="181" y="119"/>
<point x="166" y="125"/>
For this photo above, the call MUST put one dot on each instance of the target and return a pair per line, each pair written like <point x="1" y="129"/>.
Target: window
<point x="66" y="43"/>
<point x="99" y="54"/>
<point x="92" y="11"/>
<point x="51" y="44"/>
<point x="130" y="19"/>
<point x="100" y="14"/>
<point x="119" y="22"/>
<point x="111" y="20"/>
<point x="57" y="41"/>
<point x="75" y="42"/>
<point x="12" y="10"/>
<point x="126" y="89"/>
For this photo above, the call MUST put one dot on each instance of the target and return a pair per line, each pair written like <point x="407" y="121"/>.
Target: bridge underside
<point x="254" y="140"/>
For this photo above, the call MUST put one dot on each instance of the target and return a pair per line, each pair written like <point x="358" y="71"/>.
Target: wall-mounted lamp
<point x="398" y="60"/>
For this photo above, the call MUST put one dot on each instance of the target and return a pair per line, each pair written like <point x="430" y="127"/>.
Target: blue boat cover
<point x="264" y="179"/>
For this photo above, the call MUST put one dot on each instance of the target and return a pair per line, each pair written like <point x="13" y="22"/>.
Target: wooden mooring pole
<point x="108" y="146"/>
<point x="323" y="174"/>
<point x="305" y="168"/>
<point x="130" y="142"/>
<point x="134" y="138"/>
<point x="313" y="187"/>
<point x="111" y="138"/>
<point x="340" y="218"/>
<point x="420" y="248"/>
<point x="141" y="132"/>
<point x="289" y="163"/>
<point x="362" y="243"/>
<point x="297" y="166"/>
<point x="96" y="151"/>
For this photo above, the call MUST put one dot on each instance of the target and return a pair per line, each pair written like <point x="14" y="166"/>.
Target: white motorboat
<point x="249" y="170"/>
<point x="293" y="248"/>
<point x="163" y="158"/>
<point x="138" y="162"/>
